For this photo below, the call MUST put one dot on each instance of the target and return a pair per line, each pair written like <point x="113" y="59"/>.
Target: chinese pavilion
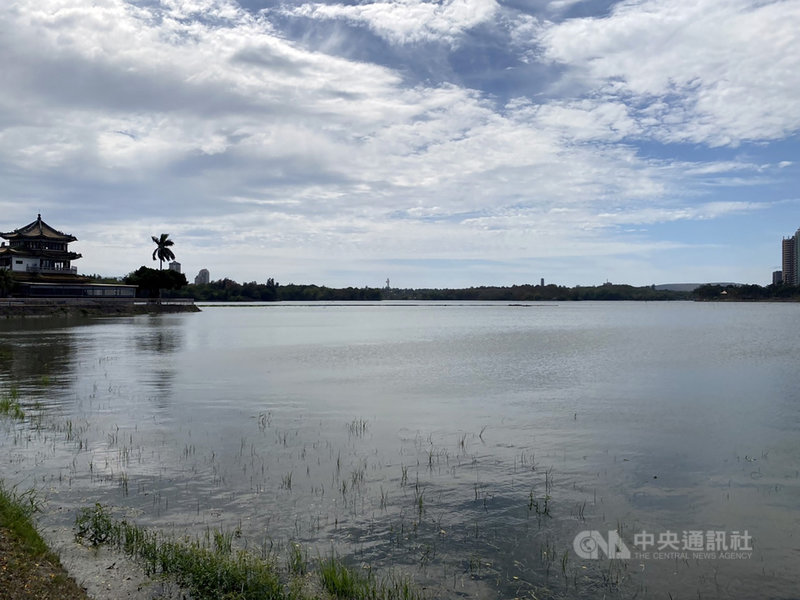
<point x="38" y="248"/>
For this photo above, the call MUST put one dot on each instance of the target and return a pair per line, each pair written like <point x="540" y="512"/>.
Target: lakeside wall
<point x="68" y="307"/>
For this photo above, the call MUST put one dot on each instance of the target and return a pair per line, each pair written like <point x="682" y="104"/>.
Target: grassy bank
<point x="28" y="570"/>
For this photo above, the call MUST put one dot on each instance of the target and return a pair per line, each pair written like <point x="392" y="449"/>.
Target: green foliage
<point x="151" y="281"/>
<point x="94" y="525"/>
<point x="16" y="512"/>
<point x="212" y="569"/>
<point x="228" y="290"/>
<point x="747" y="292"/>
<point x="346" y="583"/>
<point x="28" y="569"/>
<point x="162" y="251"/>
<point x="297" y="561"/>
<point x="343" y="582"/>
<point x="538" y="293"/>
<point x="96" y="278"/>
<point x="10" y="406"/>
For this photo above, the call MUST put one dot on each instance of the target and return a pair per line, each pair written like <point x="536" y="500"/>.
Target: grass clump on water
<point x="346" y="583"/>
<point x="207" y="570"/>
<point x="212" y="569"/>
<point x="9" y="405"/>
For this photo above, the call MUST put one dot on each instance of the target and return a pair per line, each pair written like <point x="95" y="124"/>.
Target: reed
<point x="346" y="583"/>
<point x="206" y="570"/>
<point x="10" y="406"/>
<point x="212" y="568"/>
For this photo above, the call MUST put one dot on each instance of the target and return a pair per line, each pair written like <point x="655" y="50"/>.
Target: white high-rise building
<point x="789" y="248"/>
<point x="202" y="278"/>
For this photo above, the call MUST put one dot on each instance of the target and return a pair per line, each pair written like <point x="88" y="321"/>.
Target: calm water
<point x="466" y="445"/>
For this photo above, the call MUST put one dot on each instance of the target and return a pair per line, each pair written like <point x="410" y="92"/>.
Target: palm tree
<point x="162" y="252"/>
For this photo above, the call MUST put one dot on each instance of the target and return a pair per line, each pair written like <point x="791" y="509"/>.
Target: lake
<point x="485" y="450"/>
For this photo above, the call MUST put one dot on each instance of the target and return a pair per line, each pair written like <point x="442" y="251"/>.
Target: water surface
<point x="429" y="437"/>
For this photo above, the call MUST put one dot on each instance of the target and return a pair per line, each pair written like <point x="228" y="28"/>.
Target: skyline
<point x="439" y="144"/>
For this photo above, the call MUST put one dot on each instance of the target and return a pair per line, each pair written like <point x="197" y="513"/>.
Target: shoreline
<point x="40" y="560"/>
<point x="28" y="566"/>
<point x="19" y="308"/>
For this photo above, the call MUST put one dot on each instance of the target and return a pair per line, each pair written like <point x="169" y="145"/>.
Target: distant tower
<point x="542" y="282"/>
<point x="202" y="277"/>
<point x="789" y="247"/>
<point x="388" y="287"/>
<point x="175" y="266"/>
<point x="777" y="277"/>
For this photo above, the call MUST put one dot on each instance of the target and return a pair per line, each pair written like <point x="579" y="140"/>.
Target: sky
<point x="447" y="143"/>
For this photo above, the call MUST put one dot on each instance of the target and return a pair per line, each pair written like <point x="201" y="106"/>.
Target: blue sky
<point x="437" y="143"/>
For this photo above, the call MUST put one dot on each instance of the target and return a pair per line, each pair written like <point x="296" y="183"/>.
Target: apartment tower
<point x="789" y="248"/>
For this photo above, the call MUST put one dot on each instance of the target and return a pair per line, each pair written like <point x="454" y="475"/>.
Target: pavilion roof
<point x="37" y="230"/>
<point x="54" y="254"/>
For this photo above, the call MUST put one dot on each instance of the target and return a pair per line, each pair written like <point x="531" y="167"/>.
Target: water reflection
<point x="158" y="339"/>
<point x="52" y="361"/>
<point x="37" y="356"/>
<point x="159" y="335"/>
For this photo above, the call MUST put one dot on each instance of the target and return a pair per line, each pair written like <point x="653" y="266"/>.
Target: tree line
<point x="228" y="290"/>
<point x="748" y="292"/>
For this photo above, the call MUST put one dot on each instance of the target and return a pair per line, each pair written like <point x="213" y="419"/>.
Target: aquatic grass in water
<point x="207" y="572"/>
<point x="346" y="583"/>
<point x="357" y="427"/>
<point x="297" y="561"/>
<point x="213" y="569"/>
<point x="10" y="406"/>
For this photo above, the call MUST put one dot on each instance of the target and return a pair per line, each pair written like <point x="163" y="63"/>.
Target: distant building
<point x="777" y="277"/>
<point x="789" y="248"/>
<point x="175" y="266"/>
<point x="202" y="278"/>
<point x="41" y="262"/>
<point x="38" y="248"/>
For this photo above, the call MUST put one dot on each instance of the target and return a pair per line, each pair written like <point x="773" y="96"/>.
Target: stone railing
<point x="59" y="271"/>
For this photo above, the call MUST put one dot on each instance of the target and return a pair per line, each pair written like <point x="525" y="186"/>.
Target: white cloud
<point x="716" y="72"/>
<point x="710" y="210"/>
<point x="198" y="118"/>
<point x="408" y="21"/>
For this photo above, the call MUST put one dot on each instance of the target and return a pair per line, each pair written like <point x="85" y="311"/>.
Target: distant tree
<point x="152" y="281"/>
<point x="162" y="251"/>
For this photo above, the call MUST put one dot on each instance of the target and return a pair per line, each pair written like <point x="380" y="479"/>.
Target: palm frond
<point x="162" y="251"/>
